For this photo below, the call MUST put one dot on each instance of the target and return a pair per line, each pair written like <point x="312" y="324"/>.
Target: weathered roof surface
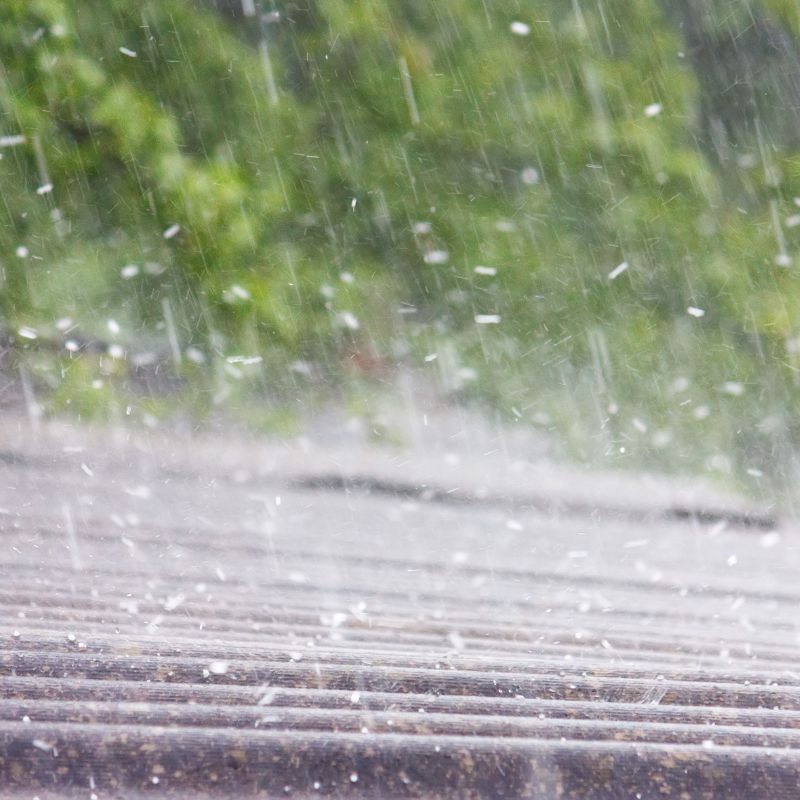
<point x="218" y="618"/>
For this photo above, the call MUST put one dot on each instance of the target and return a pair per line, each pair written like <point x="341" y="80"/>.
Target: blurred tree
<point x="747" y="64"/>
<point x="329" y="177"/>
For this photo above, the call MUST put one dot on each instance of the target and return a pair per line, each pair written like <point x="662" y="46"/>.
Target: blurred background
<point x="581" y="216"/>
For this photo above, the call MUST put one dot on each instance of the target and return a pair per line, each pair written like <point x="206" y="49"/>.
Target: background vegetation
<point x="586" y="211"/>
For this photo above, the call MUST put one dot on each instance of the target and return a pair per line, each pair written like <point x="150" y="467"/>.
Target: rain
<point x="399" y="399"/>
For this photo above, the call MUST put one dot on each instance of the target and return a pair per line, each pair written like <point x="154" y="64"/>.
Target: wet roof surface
<point x="219" y="618"/>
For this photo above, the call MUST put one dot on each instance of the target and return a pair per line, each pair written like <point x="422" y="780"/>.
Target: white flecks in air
<point x="680" y="384"/>
<point x="769" y="539"/>
<point x="141" y="492"/>
<point x="22" y="251"/>
<point x="129" y="271"/>
<point x="520" y="28"/>
<point x="12" y="141"/>
<point x="733" y="388"/>
<point x="530" y="176"/>
<point x="436" y="257"/>
<point x="174" y="601"/>
<point x="45" y="188"/>
<point x="693" y="311"/>
<point x="172" y="231"/>
<point x="234" y="293"/>
<point x="457" y="640"/>
<point x="349" y="320"/>
<point x="195" y="355"/>
<point x="487" y="319"/>
<point x="334" y="620"/>
<point x="490" y="271"/>
<point x="653" y="110"/>
<point x="128" y="52"/>
<point x="246" y="360"/>
<point x="717" y="528"/>
<point x="618" y="270"/>
<point x="633" y="543"/>
<point x="662" y="438"/>
<point x="268" y="697"/>
<point x="301" y="367"/>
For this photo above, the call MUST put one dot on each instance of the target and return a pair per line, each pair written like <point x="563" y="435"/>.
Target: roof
<point x="222" y="617"/>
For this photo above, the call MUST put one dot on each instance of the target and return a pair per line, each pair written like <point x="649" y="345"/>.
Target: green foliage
<point x="359" y="158"/>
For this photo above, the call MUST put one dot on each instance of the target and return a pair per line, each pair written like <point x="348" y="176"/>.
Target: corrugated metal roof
<point x="218" y="620"/>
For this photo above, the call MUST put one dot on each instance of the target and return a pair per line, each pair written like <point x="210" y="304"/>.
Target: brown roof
<point x="222" y="618"/>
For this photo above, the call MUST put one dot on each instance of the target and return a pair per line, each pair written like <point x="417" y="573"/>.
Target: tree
<point x="329" y="175"/>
